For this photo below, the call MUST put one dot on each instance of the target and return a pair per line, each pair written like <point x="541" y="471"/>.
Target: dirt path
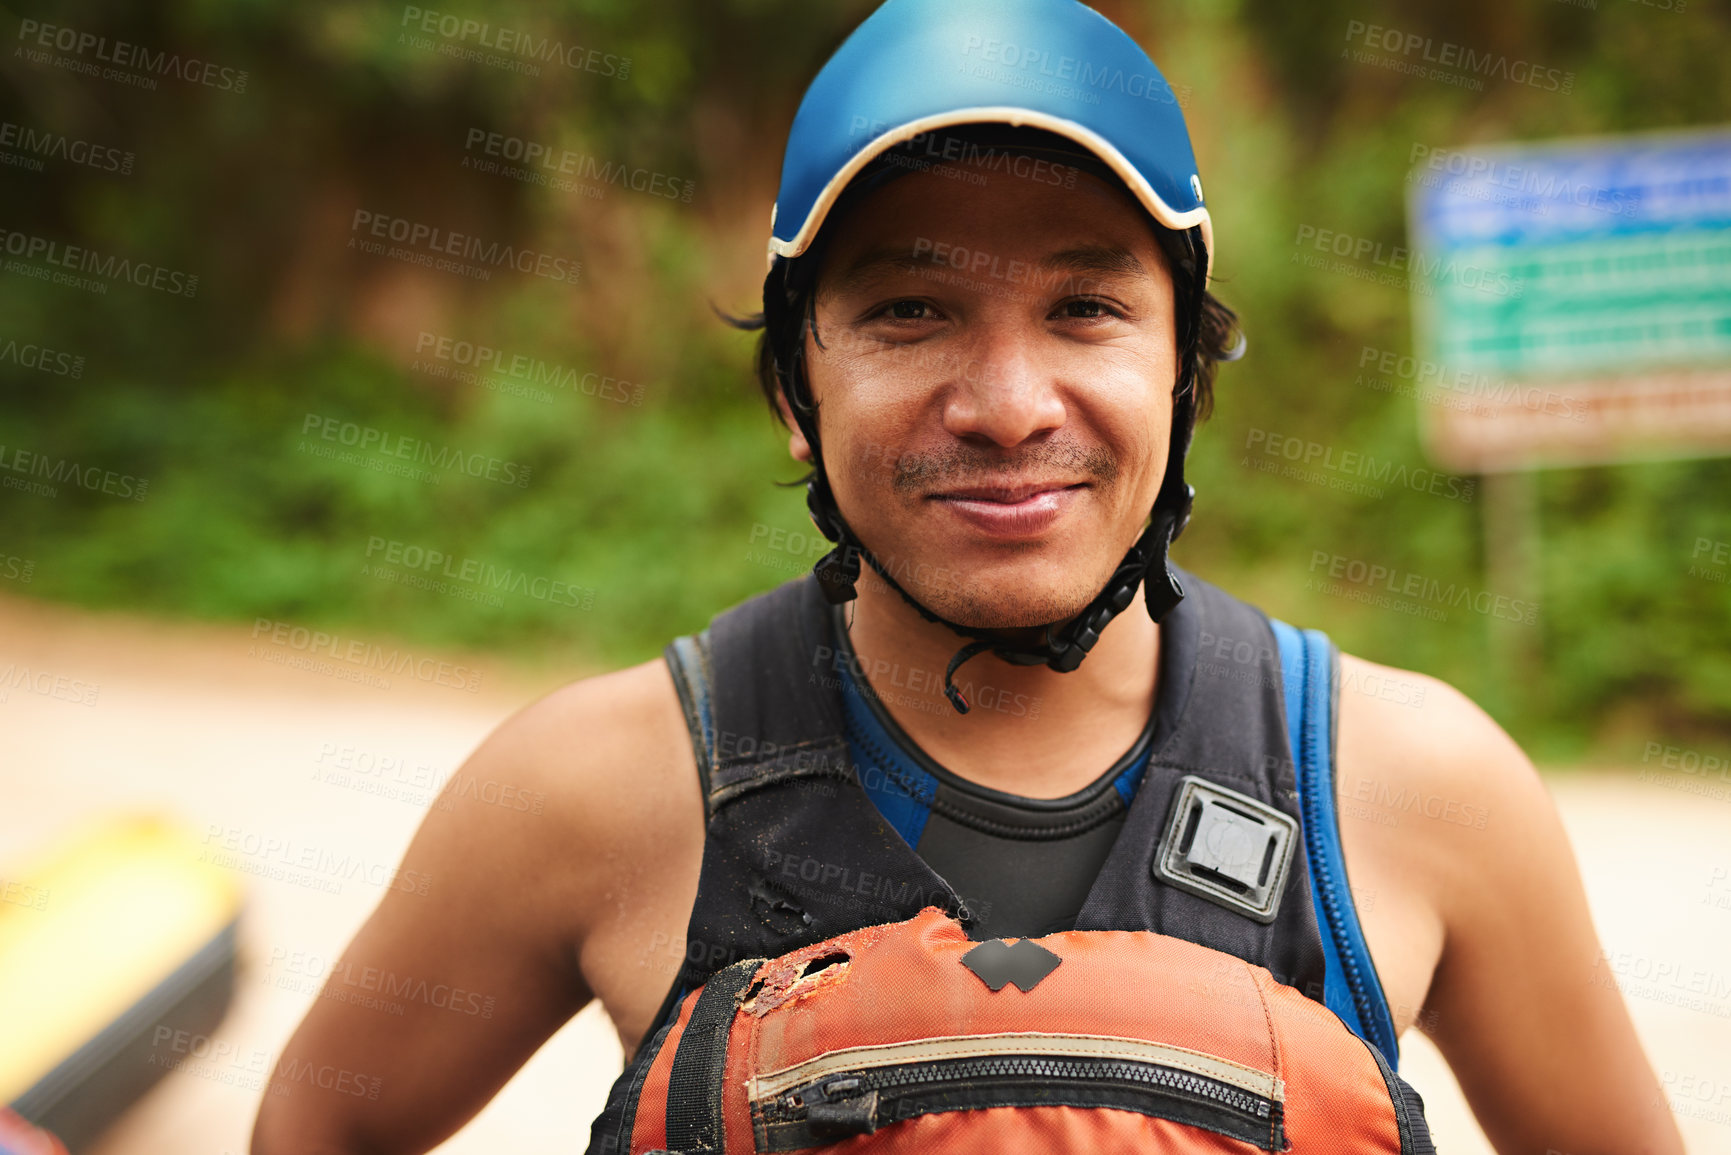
<point x="226" y="730"/>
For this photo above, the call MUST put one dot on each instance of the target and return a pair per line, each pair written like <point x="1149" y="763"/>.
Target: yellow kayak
<point x="115" y="947"/>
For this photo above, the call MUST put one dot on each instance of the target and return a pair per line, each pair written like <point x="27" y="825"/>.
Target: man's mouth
<point x="1020" y="511"/>
<point x="1006" y="494"/>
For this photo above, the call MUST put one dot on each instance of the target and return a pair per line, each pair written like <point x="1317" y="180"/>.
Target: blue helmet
<point x="918" y="66"/>
<point x="934" y="74"/>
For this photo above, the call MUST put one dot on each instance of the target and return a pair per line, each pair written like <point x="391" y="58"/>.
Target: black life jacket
<point x="767" y="725"/>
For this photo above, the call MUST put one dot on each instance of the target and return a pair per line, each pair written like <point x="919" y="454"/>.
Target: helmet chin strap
<point x="1062" y="644"/>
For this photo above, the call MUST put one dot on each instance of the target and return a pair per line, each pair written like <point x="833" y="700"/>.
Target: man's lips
<point x="1013" y="511"/>
<point x="1008" y="494"/>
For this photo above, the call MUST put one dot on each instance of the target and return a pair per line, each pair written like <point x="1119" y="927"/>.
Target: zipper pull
<point x="842" y="1118"/>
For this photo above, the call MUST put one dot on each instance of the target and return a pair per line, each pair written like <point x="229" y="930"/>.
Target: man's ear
<point x="797" y="446"/>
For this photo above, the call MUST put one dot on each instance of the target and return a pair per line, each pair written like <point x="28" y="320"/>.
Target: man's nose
<point x="1003" y="391"/>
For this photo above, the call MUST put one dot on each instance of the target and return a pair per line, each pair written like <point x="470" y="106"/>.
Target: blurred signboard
<point x="1573" y="299"/>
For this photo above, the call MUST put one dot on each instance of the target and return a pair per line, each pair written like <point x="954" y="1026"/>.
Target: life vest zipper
<point x="838" y="1104"/>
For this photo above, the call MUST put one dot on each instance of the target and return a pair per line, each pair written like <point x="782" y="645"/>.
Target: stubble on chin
<point x="1003" y="602"/>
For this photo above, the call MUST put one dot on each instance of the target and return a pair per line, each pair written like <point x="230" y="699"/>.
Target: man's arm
<point x="1520" y="1005"/>
<point x="512" y="898"/>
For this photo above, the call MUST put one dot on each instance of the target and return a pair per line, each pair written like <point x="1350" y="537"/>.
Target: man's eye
<point x="908" y="311"/>
<point x="1086" y="310"/>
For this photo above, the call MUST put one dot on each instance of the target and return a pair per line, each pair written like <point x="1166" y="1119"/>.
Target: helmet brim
<point x="1138" y="185"/>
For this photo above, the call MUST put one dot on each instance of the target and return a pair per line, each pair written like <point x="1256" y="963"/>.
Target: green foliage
<point x="662" y="512"/>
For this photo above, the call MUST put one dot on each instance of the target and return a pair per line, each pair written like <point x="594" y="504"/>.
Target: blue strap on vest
<point x="901" y="789"/>
<point x="1351" y="988"/>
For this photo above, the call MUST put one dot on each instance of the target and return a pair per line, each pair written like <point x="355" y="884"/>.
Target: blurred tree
<point x="661" y="504"/>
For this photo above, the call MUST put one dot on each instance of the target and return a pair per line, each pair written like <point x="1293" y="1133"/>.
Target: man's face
<point x="994" y="387"/>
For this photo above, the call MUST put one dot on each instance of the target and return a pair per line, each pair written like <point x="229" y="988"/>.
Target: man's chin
<point x="1032" y="589"/>
<point x="1012" y="606"/>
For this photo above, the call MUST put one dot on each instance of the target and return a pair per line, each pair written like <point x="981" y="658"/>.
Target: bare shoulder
<point x="568" y="831"/>
<point x="608" y="762"/>
<point x="593" y="745"/>
<point x="1428" y="787"/>
<point x="565" y="834"/>
<point x="1423" y="762"/>
<point x="1409" y="729"/>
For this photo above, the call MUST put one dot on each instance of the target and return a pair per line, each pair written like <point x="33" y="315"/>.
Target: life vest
<point x="844" y="1001"/>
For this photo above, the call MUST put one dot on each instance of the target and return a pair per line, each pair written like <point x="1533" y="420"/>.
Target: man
<point x="987" y="326"/>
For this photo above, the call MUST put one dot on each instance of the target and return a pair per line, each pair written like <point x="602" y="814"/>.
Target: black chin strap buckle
<point x="1145" y="565"/>
<point x="837" y="571"/>
<point x="1161" y="593"/>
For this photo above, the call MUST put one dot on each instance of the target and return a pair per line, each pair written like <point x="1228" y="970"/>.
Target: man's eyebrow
<point x="1097" y="260"/>
<point x="874" y="260"/>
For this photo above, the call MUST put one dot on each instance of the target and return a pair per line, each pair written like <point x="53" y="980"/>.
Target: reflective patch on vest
<point x="1024" y="962"/>
<point x="1226" y="847"/>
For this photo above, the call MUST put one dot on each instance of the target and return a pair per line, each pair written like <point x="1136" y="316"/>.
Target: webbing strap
<point x="696" y="1083"/>
<point x="1409" y="1118"/>
<point x="688" y="661"/>
<point x="1351" y="988"/>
